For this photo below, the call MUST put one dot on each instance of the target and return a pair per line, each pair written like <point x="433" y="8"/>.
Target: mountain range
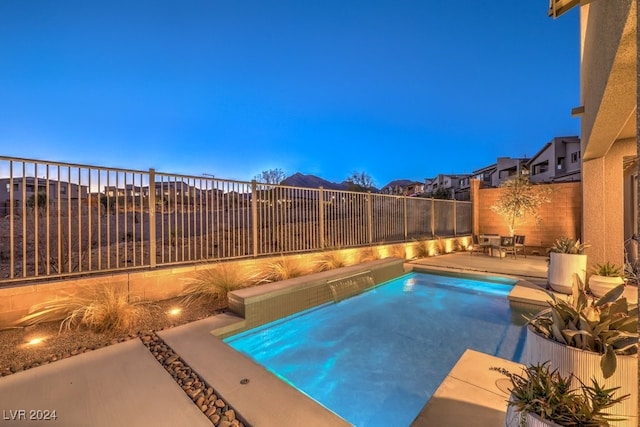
<point x="312" y="181"/>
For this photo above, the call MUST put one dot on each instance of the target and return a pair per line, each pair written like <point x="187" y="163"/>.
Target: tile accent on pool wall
<point x="266" y="303"/>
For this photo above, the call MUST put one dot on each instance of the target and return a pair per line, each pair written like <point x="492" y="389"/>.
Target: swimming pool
<point x="375" y="359"/>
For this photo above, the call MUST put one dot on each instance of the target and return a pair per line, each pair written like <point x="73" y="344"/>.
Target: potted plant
<point x="589" y="338"/>
<point x="605" y="277"/>
<point x="566" y="257"/>
<point x="543" y="397"/>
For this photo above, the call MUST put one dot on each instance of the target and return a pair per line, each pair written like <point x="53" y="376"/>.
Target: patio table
<point x="494" y="243"/>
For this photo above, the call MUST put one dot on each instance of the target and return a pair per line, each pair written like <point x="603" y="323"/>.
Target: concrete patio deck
<point x="119" y="385"/>
<point x="533" y="268"/>
<point x="124" y="385"/>
<point x="471" y="395"/>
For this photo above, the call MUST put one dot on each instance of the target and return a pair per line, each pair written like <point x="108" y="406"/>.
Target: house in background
<point x="557" y="161"/>
<point x="68" y="191"/>
<point x="464" y="188"/>
<point x="128" y="190"/>
<point x="504" y="168"/>
<point x="451" y="183"/>
<point x="404" y="187"/>
<point x="415" y="189"/>
<point x="486" y="175"/>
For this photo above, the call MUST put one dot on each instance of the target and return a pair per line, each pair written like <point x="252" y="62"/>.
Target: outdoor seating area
<point x="495" y="245"/>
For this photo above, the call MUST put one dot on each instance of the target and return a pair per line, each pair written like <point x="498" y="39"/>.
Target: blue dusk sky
<point x="399" y="89"/>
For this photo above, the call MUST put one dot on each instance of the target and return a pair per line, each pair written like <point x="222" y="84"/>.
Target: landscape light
<point x="175" y="311"/>
<point x="35" y="341"/>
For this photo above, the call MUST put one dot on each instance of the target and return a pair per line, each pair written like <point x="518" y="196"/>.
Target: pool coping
<point x="263" y="400"/>
<point x="469" y="395"/>
<point x="269" y="401"/>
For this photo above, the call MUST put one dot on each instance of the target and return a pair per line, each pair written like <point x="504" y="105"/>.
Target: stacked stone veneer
<point x="561" y="217"/>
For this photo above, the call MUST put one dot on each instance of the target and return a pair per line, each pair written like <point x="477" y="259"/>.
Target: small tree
<point x="39" y="200"/>
<point x="271" y="176"/>
<point x="520" y="200"/>
<point x="359" y="181"/>
<point x="441" y="193"/>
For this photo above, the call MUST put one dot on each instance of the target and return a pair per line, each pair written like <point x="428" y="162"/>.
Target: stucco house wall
<point x="609" y="129"/>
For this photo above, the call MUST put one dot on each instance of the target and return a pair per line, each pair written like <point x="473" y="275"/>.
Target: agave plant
<point x="608" y="270"/>
<point x="565" y="245"/>
<point x="546" y="393"/>
<point x="608" y="326"/>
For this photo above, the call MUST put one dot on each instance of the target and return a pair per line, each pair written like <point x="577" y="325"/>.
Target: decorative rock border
<point x="202" y="394"/>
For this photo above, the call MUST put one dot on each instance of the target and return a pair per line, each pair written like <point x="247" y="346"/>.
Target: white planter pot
<point x="533" y="420"/>
<point x="561" y="270"/>
<point x="585" y="365"/>
<point x="600" y="285"/>
<point x="514" y="419"/>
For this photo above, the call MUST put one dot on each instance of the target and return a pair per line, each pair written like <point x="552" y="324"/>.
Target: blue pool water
<point x="376" y="359"/>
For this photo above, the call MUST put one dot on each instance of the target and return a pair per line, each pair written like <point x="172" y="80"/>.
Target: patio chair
<point x="479" y="245"/>
<point x="519" y="244"/>
<point x="507" y="246"/>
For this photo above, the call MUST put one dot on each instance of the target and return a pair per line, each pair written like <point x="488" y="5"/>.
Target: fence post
<point x="455" y="217"/>
<point x="254" y="215"/>
<point x="433" y="217"/>
<point x="404" y="208"/>
<point x="152" y="218"/>
<point x="12" y="246"/>
<point x="370" y="216"/>
<point x="475" y="206"/>
<point x="321" y="215"/>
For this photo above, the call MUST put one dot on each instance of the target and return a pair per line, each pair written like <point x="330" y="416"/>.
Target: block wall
<point x="561" y="217"/>
<point x="164" y="283"/>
